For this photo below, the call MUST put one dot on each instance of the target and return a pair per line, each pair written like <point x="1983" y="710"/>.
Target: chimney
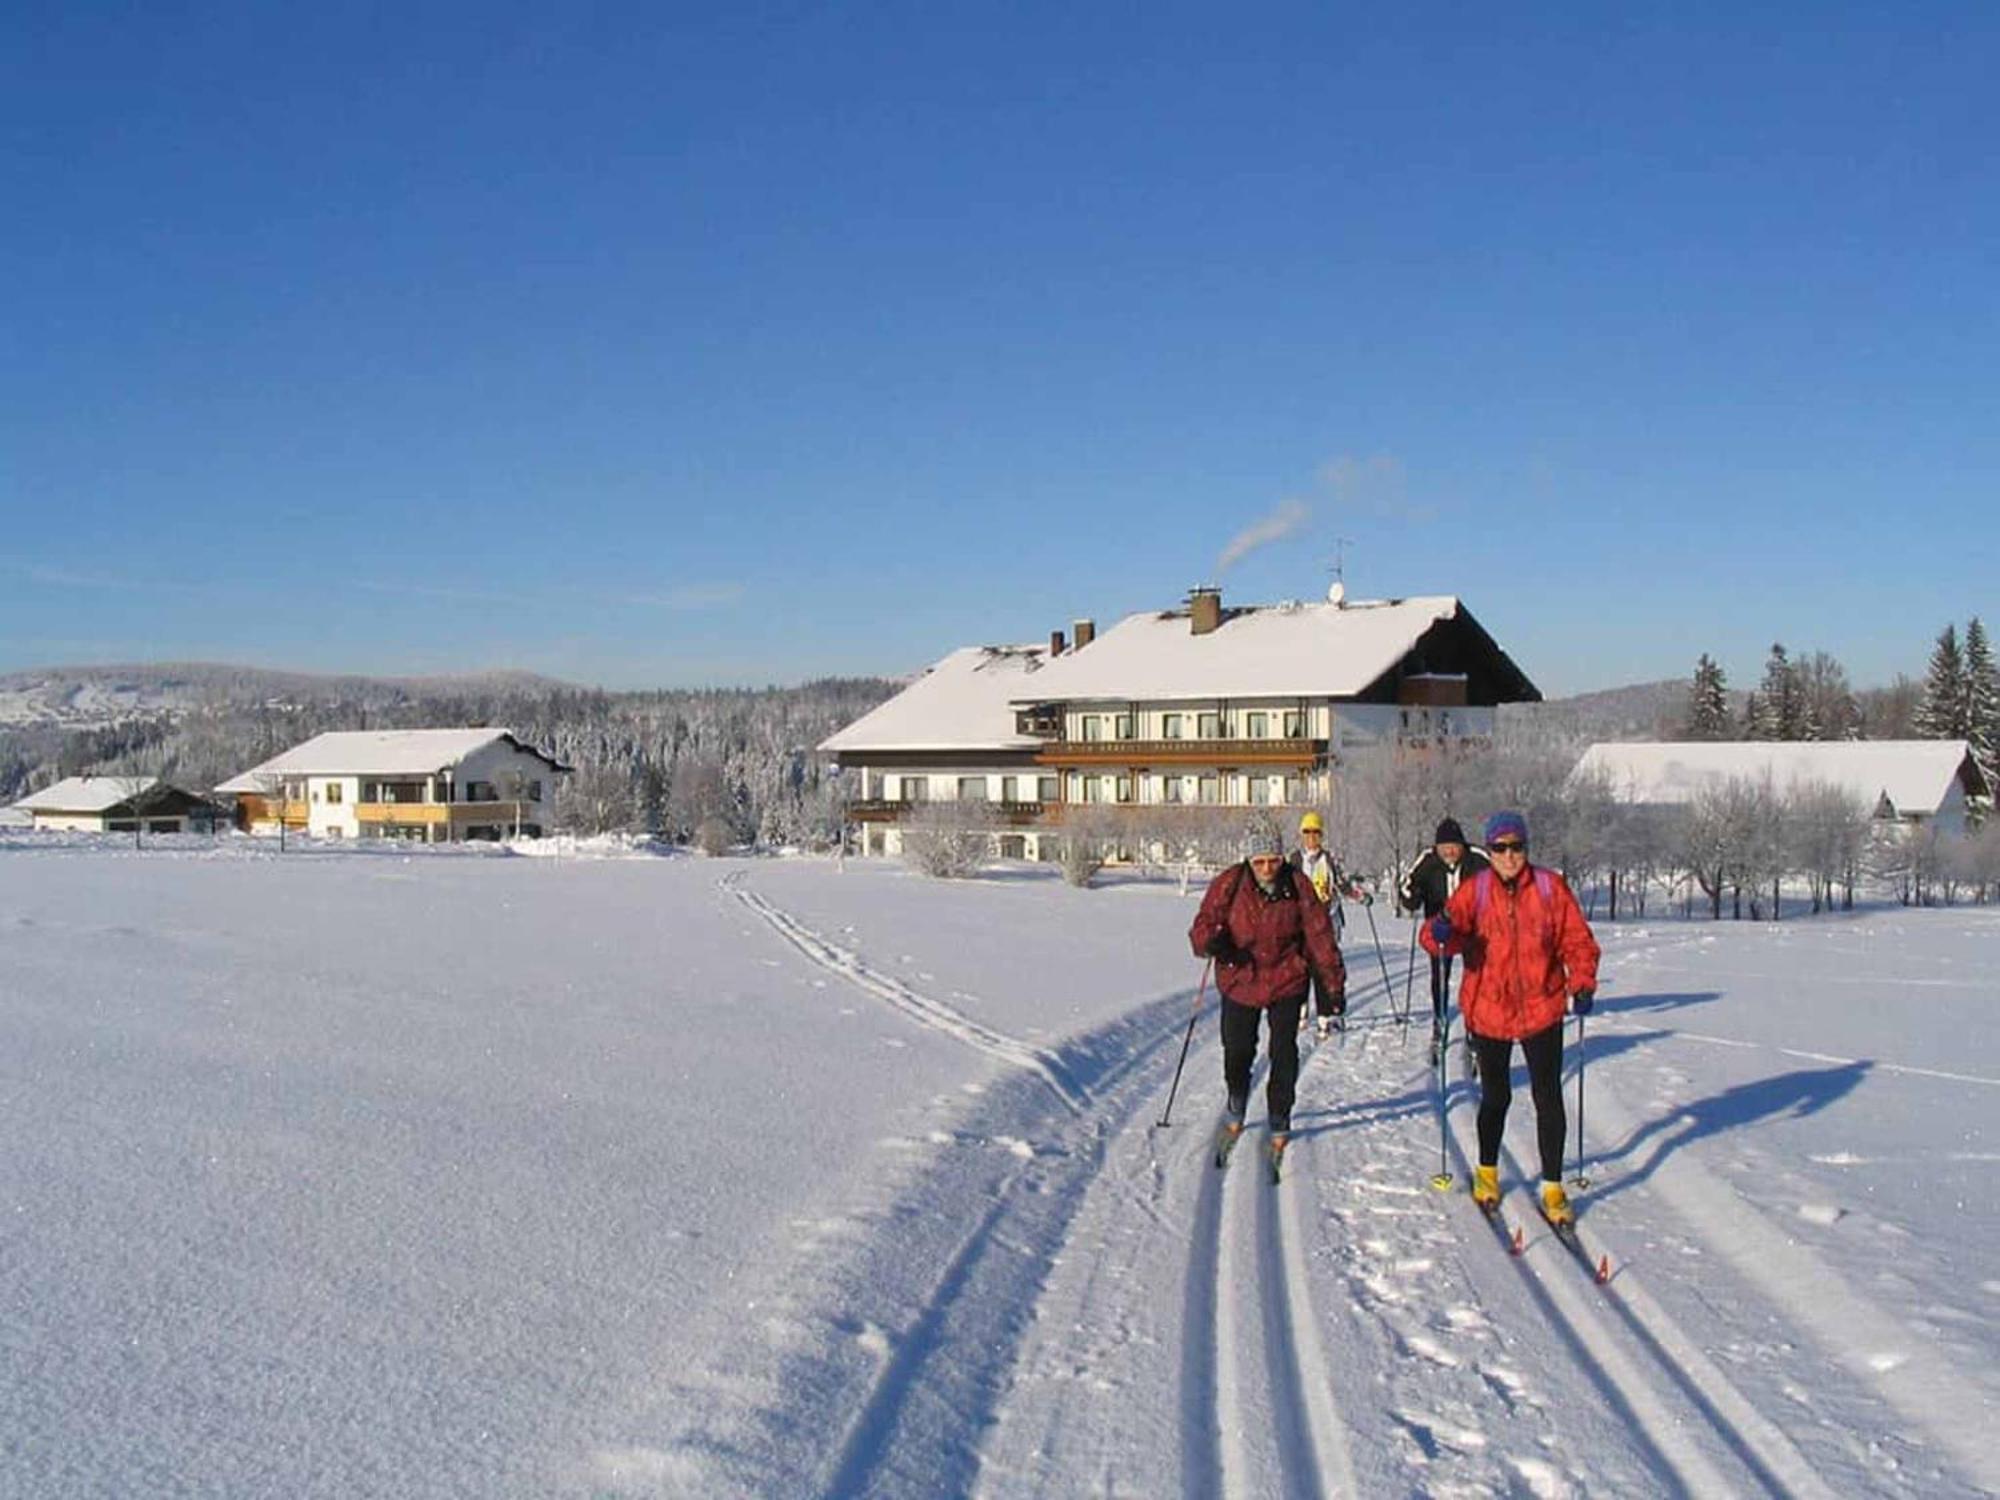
<point x="1085" y="632"/>
<point x="1055" y="643"/>
<point x="1205" y="609"/>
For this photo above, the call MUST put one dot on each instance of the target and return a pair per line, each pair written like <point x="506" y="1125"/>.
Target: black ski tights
<point x="1440" y="988"/>
<point x="1239" y="1051"/>
<point x="1544" y="1054"/>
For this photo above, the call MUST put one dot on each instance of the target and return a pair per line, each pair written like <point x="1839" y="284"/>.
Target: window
<point x="914" y="789"/>
<point x="1208" y="726"/>
<point x="333" y="792"/>
<point x="972" y="788"/>
<point x="1295" y="791"/>
<point x="1258" y="726"/>
<point x="1076" y="786"/>
<point x="1260" y="791"/>
<point x="1093" y="726"/>
<point x="1295" y="724"/>
<point x="535" y="791"/>
<point x="1090" y="788"/>
<point x="1171" y="726"/>
<point x="1170" y="789"/>
<point x="1209" y="791"/>
<point x="1010" y="789"/>
<point x="1049" y="788"/>
<point x="1123" y="789"/>
<point x="1121" y="727"/>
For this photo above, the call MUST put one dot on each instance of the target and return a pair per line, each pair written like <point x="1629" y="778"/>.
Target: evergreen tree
<point x="1708" y="702"/>
<point x="1779" y="706"/>
<point x="1982" y="698"/>
<point x="1941" y="713"/>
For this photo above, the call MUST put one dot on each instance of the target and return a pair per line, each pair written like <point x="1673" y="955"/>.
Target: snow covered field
<point x="445" y="1172"/>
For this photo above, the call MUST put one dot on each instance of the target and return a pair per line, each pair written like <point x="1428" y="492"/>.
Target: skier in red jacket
<point x="1528" y="955"/>
<point x="1268" y="939"/>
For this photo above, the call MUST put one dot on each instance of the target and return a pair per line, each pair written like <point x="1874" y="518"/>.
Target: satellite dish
<point x="1337" y="594"/>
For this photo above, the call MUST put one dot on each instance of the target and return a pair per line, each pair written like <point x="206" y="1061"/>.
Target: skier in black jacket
<point x="1427" y="887"/>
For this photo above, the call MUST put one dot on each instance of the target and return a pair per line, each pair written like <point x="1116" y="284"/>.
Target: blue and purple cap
<point x="1506" y="825"/>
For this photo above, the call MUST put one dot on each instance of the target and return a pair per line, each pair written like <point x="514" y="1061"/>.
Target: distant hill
<point x="98" y="697"/>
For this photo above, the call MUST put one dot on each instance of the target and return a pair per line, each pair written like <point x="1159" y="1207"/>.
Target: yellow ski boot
<point x="1486" y="1187"/>
<point x="1555" y="1206"/>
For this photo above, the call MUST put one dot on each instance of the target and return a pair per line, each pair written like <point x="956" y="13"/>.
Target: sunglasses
<point x="1509" y="846"/>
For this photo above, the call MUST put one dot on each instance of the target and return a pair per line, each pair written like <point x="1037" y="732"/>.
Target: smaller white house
<point x="1906" y="782"/>
<point x="430" y="785"/>
<point x="119" y="804"/>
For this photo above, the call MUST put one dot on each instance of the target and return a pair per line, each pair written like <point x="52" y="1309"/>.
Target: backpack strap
<point x="1482" y="885"/>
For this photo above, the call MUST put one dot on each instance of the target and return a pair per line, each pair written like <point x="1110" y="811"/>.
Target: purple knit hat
<point x="1505" y="824"/>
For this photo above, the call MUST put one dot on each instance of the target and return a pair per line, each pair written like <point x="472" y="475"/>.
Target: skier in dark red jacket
<point x="1268" y="940"/>
<point x="1529" y="955"/>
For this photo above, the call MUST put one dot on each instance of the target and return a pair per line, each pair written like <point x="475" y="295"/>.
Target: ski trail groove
<point x="1289" y="1393"/>
<point x="1680" y="1373"/>
<point x="919" y="1007"/>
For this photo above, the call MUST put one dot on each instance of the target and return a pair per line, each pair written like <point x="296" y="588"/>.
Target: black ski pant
<point x="1544" y="1054"/>
<point x="1239" y="1051"/>
<point x="1440" y="988"/>
<point x="1326" y="1002"/>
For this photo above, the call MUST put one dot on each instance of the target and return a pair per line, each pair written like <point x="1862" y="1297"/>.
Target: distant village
<point x="1157" y="740"/>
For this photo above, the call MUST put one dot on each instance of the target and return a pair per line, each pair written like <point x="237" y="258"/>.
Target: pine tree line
<point x="1811" y="699"/>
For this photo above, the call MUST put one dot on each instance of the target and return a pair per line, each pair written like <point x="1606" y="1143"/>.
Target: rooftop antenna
<point x="1337" y="594"/>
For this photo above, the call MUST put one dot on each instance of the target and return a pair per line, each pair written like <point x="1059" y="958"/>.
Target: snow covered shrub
<point x="948" y="840"/>
<point x="713" y="836"/>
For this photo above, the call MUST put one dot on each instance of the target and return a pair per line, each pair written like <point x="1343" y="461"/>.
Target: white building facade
<point x="1195" y="708"/>
<point x="426" y="785"/>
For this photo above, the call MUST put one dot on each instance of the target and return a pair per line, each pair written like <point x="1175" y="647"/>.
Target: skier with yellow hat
<point x="1328" y="883"/>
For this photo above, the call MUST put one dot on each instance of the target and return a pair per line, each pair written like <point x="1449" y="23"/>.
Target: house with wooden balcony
<point x="1198" y="707"/>
<point x="428" y="785"/>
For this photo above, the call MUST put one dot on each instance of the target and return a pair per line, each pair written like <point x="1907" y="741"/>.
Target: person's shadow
<point x="1640" y="1005"/>
<point x="1786" y="1096"/>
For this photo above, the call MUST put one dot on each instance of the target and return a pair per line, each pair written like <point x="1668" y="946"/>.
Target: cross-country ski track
<point x="1075" y="1300"/>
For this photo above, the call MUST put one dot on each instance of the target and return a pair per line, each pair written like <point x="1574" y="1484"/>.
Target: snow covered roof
<point x="86" y="794"/>
<point x="1914" y="775"/>
<point x="964" y="702"/>
<point x="378" y="752"/>
<point x="1273" y="650"/>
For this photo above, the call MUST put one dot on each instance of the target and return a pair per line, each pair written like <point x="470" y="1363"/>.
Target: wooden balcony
<point x="418" y="814"/>
<point x="882" y="810"/>
<point x="1218" y="752"/>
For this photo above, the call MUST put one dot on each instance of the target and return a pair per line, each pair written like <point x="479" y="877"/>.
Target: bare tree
<point x="597" y="799"/>
<point x="948" y="840"/>
<point x="274" y="793"/>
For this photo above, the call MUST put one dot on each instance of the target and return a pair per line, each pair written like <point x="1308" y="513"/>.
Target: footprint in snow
<point x="1544" y="1480"/>
<point x="1433" y="1351"/>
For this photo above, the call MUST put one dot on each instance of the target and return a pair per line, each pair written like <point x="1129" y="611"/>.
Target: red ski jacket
<point x="1527" y="949"/>
<point x="1273" y="943"/>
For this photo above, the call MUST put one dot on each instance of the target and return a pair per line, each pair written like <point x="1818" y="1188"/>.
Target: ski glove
<point x="1224" y="951"/>
<point x="1440" y="929"/>
<point x="1582" y="1001"/>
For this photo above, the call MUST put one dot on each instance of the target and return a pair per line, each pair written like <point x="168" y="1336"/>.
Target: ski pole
<point x="1442" y="1182"/>
<point x="1200" y="990"/>
<point x="1579" y="1181"/>
<point x="1388" y="988"/>
<point x="1410" y="969"/>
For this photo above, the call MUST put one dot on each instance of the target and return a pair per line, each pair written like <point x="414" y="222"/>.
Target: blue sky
<point x="642" y="345"/>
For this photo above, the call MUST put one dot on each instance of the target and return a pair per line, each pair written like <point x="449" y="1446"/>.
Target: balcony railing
<point x="887" y="810"/>
<point x="1232" y="751"/>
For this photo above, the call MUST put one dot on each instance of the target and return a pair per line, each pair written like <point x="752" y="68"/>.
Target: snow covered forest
<point x="735" y="764"/>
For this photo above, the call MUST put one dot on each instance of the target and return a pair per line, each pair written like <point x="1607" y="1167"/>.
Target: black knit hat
<point x="1449" y="832"/>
